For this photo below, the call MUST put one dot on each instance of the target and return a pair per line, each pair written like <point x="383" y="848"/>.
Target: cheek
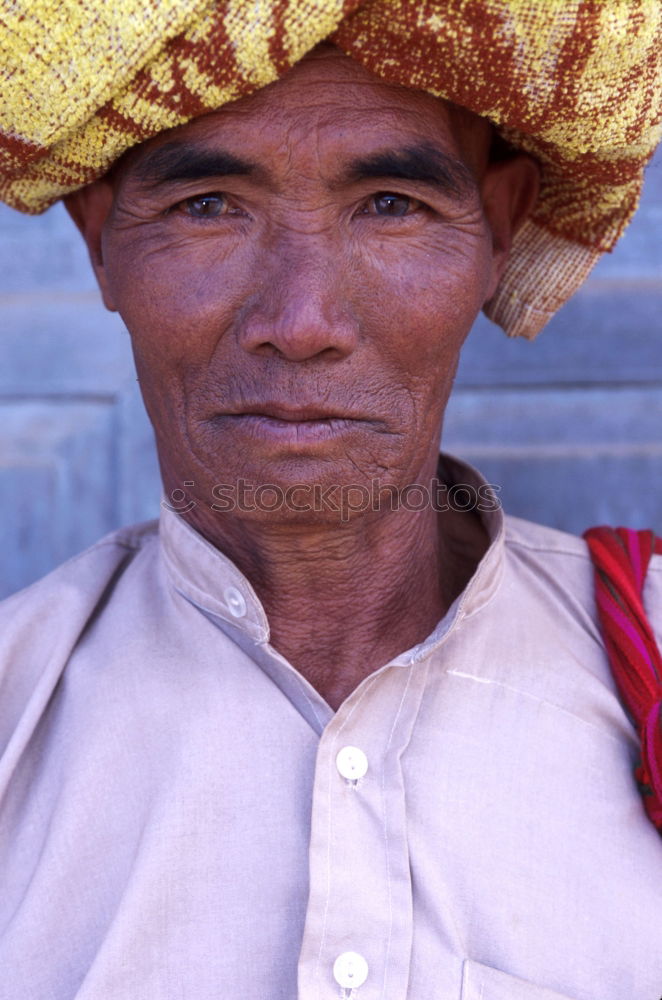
<point x="423" y="300"/>
<point x="175" y="296"/>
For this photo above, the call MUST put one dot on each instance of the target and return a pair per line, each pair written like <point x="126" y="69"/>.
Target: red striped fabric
<point x="621" y="557"/>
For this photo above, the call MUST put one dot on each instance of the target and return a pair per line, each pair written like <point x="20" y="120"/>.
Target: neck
<point x="343" y="601"/>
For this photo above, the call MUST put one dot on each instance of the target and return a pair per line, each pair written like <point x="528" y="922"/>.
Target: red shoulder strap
<point x="621" y="557"/>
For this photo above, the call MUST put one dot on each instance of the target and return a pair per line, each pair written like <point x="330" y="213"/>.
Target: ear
<point x="509" y="192"/>
<point x="89" y="208"/>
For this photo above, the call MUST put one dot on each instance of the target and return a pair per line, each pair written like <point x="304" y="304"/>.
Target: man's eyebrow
<point x="176" y="161"/>
<point x="422" y="162"/>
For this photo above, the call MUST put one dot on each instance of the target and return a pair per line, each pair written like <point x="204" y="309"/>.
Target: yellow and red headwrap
<point x="577" y="83"/>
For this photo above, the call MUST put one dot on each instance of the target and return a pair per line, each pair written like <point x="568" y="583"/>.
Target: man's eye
<point x="205" y="206"/>
<point x="387" y="203"/>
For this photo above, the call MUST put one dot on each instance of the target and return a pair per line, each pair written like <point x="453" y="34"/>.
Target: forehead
<point x="326" y="106"/>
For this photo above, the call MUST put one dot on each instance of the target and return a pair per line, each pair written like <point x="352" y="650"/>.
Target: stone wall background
<point x="570" y="427"/>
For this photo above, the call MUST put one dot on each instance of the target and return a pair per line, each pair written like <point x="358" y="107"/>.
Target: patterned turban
<point x="576" y="83"/>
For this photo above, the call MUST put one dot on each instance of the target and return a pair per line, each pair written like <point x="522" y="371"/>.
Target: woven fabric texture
<point x="575" y="82"/>
<point x="621" y="558"/>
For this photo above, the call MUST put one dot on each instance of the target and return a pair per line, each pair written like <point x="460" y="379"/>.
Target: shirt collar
<point x="209" y="580"/>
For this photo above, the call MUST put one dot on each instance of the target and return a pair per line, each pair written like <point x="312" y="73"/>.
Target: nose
<point x="302" y="310"/>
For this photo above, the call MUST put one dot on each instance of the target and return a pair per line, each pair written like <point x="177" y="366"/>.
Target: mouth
<point x="291" y="425"/>
<point x="292" y="414"/>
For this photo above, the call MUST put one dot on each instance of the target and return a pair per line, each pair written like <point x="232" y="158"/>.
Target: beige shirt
<point x="182" y="816"/>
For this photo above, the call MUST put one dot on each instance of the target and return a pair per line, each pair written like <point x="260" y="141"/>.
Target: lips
<point x="291" y="414"/>
<point x="288" y="426"/>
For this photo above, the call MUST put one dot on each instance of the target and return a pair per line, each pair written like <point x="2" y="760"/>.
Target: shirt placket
<point x="358" y="931"/>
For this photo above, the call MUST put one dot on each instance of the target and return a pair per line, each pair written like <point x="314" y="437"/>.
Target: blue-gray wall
<point x="570" y="426"/>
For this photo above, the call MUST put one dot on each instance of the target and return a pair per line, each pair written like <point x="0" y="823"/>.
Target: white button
<point x="352" y="763"/>
<point x="235" y="601"/>
<point x="350" y="970"/>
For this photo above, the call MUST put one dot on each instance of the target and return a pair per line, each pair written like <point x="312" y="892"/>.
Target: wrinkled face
<point x="298" y="271"/>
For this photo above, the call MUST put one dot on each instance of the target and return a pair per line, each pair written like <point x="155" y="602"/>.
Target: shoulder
<point x="564" y="561"/>
<point x="41" y="625"/>
<point x="81" y="579"/>
<point x="528" y="535"/>
<point x="556" y="564"/>
<point x="552" y="575"/>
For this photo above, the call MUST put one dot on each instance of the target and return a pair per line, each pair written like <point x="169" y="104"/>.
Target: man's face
<point x="298" y="271"/>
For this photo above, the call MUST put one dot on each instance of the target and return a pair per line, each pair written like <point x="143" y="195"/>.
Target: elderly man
<point x="310" y="736"/>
